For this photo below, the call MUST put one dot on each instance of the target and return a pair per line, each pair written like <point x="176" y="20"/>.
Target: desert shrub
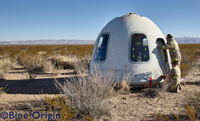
<point x="90" y="94"/>
<point x="33" y="65"/>
<point x="6" y="65"/>
<point x="61" y="105"/>
<point x="1" y="90"/>
<point x="157" y="90"/>
<point x="151" y="92"/>
<point x="66" y="62"/>
<point x="85" y="60"/>
<point x="2" y="75"/>
<point x="193" y="107"/>
<point x="81" y="64"/>
<point x="162" y="117"/>
<point x="122" y="87"/>
<point x="47" y="66"/>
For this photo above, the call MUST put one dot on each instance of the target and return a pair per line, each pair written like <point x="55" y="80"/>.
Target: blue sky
<point x="84" y="19"/>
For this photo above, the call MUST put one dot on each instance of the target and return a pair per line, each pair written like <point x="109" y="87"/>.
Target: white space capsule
<point x="127" y="44"/>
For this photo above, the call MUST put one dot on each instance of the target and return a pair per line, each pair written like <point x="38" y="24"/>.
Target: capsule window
<point x="100" y="53"/>
<point x="139" y="48"/>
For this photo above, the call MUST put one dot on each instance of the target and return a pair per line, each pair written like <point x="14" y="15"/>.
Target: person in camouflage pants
<point x="173" y="47"/>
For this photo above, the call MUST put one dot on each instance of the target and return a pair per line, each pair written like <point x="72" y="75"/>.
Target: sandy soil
<point x="138" y="107"/>
<point x="21" y="94"/>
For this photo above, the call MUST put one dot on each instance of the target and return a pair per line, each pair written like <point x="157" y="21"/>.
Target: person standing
<point x="173" y="47"/>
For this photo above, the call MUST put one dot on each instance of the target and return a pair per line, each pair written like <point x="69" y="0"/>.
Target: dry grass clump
<point x="66" y="62"/>
<point x="85" y="61"/>
<point x="151" y="92"/>
<point x="56" y="108"/>
<point x="157" y="90"/>
<point x="35" y="64"/>
<point x="162" y="117"/>
<point x="62" y="105"/>
<point x="6" y="64"/>
<point x="122" y="87"/>
<point x="2" y="75"/>
<point x="48" y="66"/>
<point x="81" y="65"/>
<point x="90" y="94"/>
<point x="193" y="107"/>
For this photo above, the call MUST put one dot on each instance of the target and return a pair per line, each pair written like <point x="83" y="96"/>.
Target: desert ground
<point x="140" y="107"/>
<point x="24" y="95"/>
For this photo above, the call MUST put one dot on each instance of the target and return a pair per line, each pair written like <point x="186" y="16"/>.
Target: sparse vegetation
<point x="89" y="94"/>
<point x="62" y="106"/>
<point x="15" y="51"/>
<point x="189" y="56"/>
<point x="62" y="55"/>
<point x="5" y="66"/>
<point x="193" y="107"/>
<point x="162" y="117"/>
<point x="85" y="97"/>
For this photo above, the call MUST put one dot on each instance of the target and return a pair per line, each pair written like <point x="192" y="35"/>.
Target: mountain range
<point x="188" y="40"/>
<point x="180" y="40"/>
<point x="48" y="42"/>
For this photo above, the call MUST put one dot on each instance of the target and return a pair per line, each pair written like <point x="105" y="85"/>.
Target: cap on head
<point x="175" y="60"/>
<point x="169" y="36"/>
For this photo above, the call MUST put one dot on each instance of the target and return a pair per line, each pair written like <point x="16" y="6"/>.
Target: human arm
<point x="170" y="45"/>
<point x="171" y="73"/>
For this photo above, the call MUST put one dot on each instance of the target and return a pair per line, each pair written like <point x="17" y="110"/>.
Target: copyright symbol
<point x="4" y="115"/>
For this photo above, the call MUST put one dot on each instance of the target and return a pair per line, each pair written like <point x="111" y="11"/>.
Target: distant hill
<point x="180" y="40"/>
<point x="188" y="40"/>
<point x="48" y="42"/>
